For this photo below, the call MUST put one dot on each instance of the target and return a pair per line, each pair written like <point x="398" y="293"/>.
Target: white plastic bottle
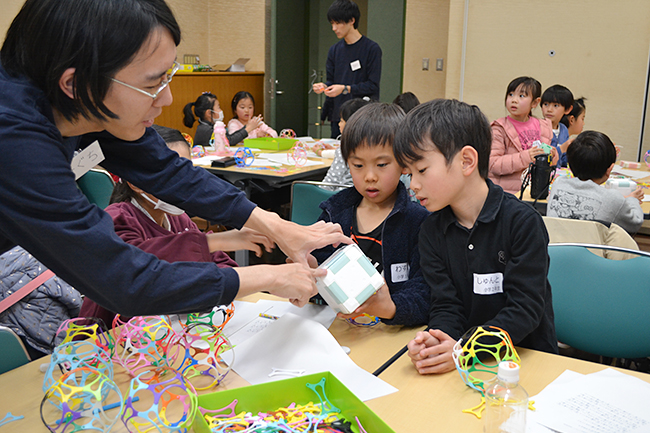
<point x="506" y="402"/>
<point x="220" y="140"/>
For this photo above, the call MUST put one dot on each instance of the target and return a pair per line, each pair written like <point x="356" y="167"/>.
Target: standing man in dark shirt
<point x="353" y="63"/>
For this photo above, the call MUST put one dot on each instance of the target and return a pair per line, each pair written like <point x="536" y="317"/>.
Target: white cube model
<point x="625" y="186"/>
<point x="350" y="281"/>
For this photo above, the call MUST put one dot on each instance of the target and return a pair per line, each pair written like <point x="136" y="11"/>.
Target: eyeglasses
<point x="165" y="82"/>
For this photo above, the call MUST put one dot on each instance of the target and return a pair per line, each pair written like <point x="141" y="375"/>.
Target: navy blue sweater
<point x="399" y="245"/>
<point x="363" y="81"/>
<point x="42" y="210"/>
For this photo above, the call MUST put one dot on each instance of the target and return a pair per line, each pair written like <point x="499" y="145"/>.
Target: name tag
<point x="488" y="284"/>
<point x="86" y="159"/>
<point x="355" y="65"/>
<point x="399" y="272"/>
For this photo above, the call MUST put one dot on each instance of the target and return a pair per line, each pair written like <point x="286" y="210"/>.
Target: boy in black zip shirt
<point x="378" y="214"/>
<point x="483" y="252"/>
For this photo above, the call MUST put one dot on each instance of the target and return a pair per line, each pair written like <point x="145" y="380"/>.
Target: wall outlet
<point x="425" y="64"/>
<point x="439" y="63"/>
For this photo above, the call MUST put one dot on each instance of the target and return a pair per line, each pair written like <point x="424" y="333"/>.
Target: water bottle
<point x="220" y="140"/>
<point x="506" y="402"/>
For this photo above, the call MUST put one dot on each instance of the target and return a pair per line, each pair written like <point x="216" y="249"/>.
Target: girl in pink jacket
<point x="517" y="138"/>
<point x="243" y="108"/>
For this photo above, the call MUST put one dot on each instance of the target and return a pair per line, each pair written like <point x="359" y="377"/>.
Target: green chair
<point x="97" y="185"/>
<point x="601" y="306"/>
<point x="306" y="197"/>
<point x="13" y="353"/>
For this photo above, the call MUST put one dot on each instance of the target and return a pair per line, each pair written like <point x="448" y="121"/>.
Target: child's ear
<point x="535" y="103"/>
<point x="468" y="159"/>
<point x="572" y="120"/>
<point x="66" y="82"/>
<point x="567" y="110"/>
<point x="609" y="170"/>
<point x="135" y="188"/>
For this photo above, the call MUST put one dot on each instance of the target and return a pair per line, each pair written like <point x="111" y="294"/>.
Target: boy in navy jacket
<point x="379" y="216"/>
<point x="483" y="252"/>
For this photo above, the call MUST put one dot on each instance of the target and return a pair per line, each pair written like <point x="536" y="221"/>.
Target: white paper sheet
<point x="206" y="160"/>
<point x="632" y="174"/>
<point x="299" y="344"/>
<point x="247" y="322"/>
<point x="603" y="402"/>
<point x="282" y="158"/>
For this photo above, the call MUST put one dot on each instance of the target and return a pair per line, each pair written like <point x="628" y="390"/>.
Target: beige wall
<point x="195" y="25"/>
<point x="603" y="56"/>
<point x="427" y="23"/>
<point x="10" y="9"/>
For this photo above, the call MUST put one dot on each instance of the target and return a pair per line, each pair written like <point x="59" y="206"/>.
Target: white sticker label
<point x="86" y="159"/>
<point x="355" y="65"/>
<point x="488" y="284"/>
<point x="399" y="272"/>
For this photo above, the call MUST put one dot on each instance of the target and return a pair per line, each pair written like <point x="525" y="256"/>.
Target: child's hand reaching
<point x="379" y="305"/>
<point x="534" y="151"/>
<point x="430" y="352"/>
<point x="254" y="123"/>
<point x="637" y="194"/>
<point x="244" y="239"/>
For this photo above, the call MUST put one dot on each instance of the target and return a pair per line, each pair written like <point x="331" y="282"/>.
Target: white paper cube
<point x="351" y="279"/>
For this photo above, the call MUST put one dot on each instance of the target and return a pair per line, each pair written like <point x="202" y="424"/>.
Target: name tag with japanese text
<point x="399" y="272"/>
<point x="488" y="284"/>
<point x="86" y="159"/>
<point x="355" y="65"/>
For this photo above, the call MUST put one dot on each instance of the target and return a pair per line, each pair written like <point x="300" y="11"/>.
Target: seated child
<point x="575" y="120"/>
<point x="339" y="173"/>
<point x="483" y="252"/>
<point x="165" y="231"/>
<point x="515" y="137"/>
<point x="591" y="158"/>
<point x="378" y="215"/>
<point x="243" y="108"/>
<point x="557" y="101"/>
<point x="208" y="110"/>
<point x="37" y="316"/>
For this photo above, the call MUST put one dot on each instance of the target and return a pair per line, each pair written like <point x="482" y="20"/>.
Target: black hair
<point x="577" y="110"/>
<point x="202" y="104"/>
<point x="96" y="37"/>
<point x="342" y="11"/>
<point x="122" y="191"/>
<point x="447" y="125"/>
<point x="349" y="107"/>
<point x="372" y="125"/>
<point x="238" y="97"/>
<point x="530" y="85"/>
<point x="407" y="101"/>
<point x="560" y="94"/>
<point x="590" y="155"/>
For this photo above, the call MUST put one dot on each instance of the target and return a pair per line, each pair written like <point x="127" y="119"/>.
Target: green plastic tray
<point x="270" y="143"/>
<point x="270" y="396"/>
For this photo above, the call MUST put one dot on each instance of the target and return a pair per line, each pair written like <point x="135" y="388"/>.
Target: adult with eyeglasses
<point x="76" y="71"/>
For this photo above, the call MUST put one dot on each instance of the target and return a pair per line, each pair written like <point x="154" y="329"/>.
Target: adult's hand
<point x="319" y="87"/>
<point x="294" y="240"/>
<point x="334" y="90"/>
<point x="244" y="239"/>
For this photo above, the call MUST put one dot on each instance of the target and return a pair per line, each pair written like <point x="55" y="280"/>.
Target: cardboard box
<point x="271" y="396"/>
<point x="351" y="279"/>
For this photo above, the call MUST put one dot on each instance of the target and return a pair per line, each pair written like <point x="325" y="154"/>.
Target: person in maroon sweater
<point x="166" y="231"/>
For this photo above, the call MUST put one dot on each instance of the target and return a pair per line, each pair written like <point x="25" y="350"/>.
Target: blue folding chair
<point x="306" y="196"/>
<point x="13" y="353"/>
<point x="601" y="306"/>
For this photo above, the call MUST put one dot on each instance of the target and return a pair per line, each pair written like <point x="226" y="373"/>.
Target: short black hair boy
<point x="363" y="129"/>
<point x="434" y="124"/>
<point x="483" y="252"/>
<point x="590" y="155"/>
<point x="343" y="11"/>
<point x="559" y="94"/>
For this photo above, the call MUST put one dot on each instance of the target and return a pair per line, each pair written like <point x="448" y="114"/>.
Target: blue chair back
<point x="601" y="306"/>
<point x="305" y="199"/>
<point x="13" y="353"/>
<point x="97" y="186"/>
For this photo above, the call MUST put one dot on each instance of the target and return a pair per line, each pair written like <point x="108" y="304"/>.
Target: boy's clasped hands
<point x="430" y="352"/>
